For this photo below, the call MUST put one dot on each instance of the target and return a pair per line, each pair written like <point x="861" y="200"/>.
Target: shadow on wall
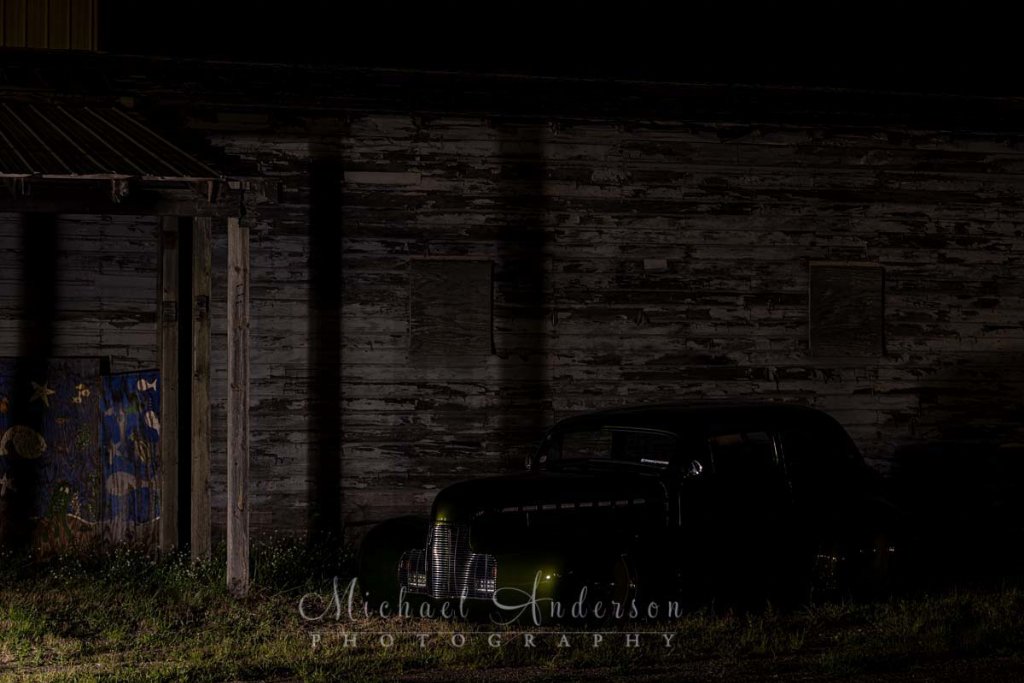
<point x="962" y="478"/>
<point x="38" y="314"/>
<point x="326" y="177"/>
<point x="521" y="309"/>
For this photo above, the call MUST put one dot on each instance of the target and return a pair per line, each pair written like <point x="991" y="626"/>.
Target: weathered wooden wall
<point x="570" y="213"/>
<point x="650" y="250"/>
<point x="107" y="275"/>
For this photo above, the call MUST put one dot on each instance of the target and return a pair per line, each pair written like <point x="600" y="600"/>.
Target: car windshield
<point x="610" y="444"/>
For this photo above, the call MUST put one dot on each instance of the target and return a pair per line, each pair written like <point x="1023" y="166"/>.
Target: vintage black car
<point x="711" y="501"/>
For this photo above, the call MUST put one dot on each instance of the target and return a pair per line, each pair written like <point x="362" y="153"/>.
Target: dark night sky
<point x="937" y="46"/>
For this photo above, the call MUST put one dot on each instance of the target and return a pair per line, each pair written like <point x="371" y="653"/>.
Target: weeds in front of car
<point x="125" y="616"/>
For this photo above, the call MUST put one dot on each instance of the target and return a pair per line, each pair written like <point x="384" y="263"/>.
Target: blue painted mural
<point x="130" y="438"/>
<point x="78" y="454"/>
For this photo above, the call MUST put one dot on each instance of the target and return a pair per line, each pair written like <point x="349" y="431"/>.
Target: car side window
<point x="744" y="455"/>
<point x="646" y="448"/>
<point x="586" y="445"/>
<point x="812" y="459"/>
<point x="802" y="457"/>
<point x="815" y="457"/>
<point x="640" y="446"/>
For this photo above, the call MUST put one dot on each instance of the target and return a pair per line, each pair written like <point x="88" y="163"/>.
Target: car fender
<point x="380" y="552"/>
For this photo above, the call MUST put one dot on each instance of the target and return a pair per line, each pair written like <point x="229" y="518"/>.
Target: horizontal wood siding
<point x="648" y="242"/>
<point x="632" y="263"/>
<point x="107" y="288"/>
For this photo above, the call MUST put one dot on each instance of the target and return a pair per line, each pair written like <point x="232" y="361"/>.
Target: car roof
<point x="684" y="416"/>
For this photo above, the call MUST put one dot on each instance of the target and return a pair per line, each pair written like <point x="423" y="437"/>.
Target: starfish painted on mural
<point x="42" y="392"/>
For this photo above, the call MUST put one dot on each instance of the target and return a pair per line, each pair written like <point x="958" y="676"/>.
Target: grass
<point x="123" y="616"/>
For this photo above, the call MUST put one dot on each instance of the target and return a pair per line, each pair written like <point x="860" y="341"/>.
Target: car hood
<point x="577" y="489"/>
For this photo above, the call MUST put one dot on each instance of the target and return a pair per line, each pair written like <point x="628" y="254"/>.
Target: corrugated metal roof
<point x="65" y="141"/>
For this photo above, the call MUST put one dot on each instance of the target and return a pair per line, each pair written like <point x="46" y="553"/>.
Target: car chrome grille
<point x="448" y="569"/>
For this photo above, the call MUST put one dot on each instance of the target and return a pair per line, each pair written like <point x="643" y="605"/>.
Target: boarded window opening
<point x="450" y="309"/>
<point x="847" y="310"/>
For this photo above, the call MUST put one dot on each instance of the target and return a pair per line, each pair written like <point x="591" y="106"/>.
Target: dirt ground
<point x="950" y="670"/>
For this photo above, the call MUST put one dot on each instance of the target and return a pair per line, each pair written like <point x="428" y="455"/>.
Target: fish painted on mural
<point x="113" y="451"/>
<point x="122" y="424"/>
<point x="27" y="443"/>
<point x="82" y="392"/>
<point x="115" y="448"/>
<point x="143" y="448"/>
<point x="143" y="385"/>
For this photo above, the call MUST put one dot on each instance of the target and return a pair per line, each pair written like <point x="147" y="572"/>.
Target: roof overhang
<point x="76" y="142"/>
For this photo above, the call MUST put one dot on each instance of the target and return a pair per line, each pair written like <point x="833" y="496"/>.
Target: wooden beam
<point x="169" y="377"/>
<point x="86" y="196"/>
<point x="238" y="409"/>
<point x="15" y="12"/>
<point x="59" y="25"/>
<point x="200" y="493"/>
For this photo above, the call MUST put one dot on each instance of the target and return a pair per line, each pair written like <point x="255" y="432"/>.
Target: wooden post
<point x="238" y="409"/>
<point x="169" y="378"/>
<point x="200" y="494"/>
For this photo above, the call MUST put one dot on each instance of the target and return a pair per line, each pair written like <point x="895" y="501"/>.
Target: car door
<point x="749" y="509"/>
